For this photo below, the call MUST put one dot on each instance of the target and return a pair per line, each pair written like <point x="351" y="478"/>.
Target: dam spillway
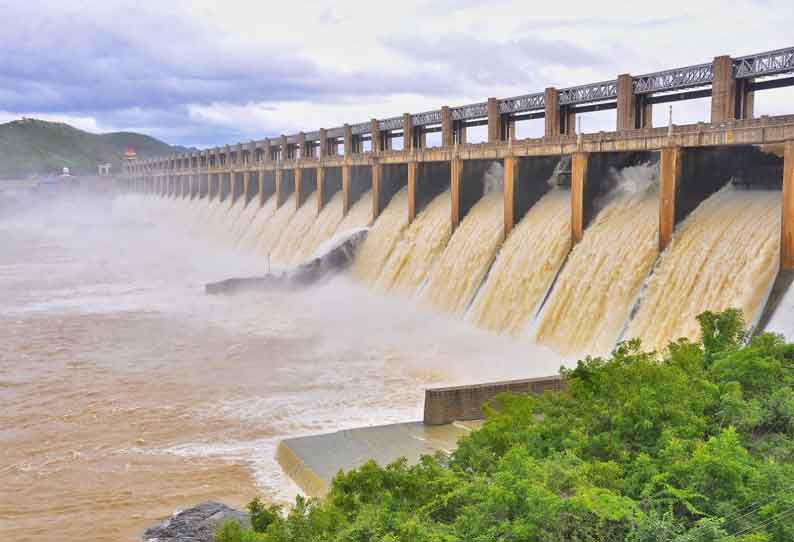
<point x="537" y="281"/>
<point x="623" y="267"/>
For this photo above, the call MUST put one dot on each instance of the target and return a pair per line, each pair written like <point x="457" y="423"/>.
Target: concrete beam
<point x="787" y="225"/>
<point x="670" y="170"/>
<point x="579" y="165"/>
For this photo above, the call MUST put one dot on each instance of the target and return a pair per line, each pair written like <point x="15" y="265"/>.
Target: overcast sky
<point x="203" y="73"/>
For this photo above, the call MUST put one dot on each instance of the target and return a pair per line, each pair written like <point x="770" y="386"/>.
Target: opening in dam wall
<point x="285" y="185"/>
<point x="252" y="186"/>
<point x="238" y="186"/>
<point x="360" y="183"/>
<point x="330" y="185"/>
<point x="430" y="180"/>
<point x="305" y="185"/>
<point x="267" y="187"/>
<point x="529" y="180"/>
<point x="392" y="179"/>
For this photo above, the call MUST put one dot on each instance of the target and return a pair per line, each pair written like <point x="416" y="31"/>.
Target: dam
<point x="572" y="241"/>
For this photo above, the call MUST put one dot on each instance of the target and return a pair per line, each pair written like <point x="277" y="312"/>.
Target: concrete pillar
<point x="322" y="145"/>
<point x="277" y="195"/>
<point x="494" y="121"/>
<point x="455" y="173"/>
<point x="408" y="132"/>
<point x="299" y="188"/>
<point x="268" y="156"/>
<point x="787" y="225"/>
<point x="626" y="103"/>
<point x="320" y="188"/>
<point x="745" y="99"/>
<point x="375" y="135"/>
<point x="579" y="163"/>
<point x="345" y="189"/>
<point x="284" y="148"/>
<point x="246" y="182"/>
<point x="723" y="90"/>
<point x="412" y="171"/>
<point x="377" y="170"/>
<point x="261" y="181"/>
<point x="510" y="166"/>
<point x="348" y="140"/>
<point x="446" y="127"/>
<point x="302" y="145"/>
<point x="552" y="102"/>
<point x="670" y="167"/>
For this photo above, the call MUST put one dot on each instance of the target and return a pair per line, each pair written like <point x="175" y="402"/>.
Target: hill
<point x="30" y="146"/>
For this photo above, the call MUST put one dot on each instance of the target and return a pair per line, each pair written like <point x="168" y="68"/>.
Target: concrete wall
<point x="461" y="403"/>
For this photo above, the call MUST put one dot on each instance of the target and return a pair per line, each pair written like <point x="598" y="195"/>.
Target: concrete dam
<point x="573" y="241"/>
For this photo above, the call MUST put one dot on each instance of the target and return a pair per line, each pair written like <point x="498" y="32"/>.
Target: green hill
<point x="35" y="147"/>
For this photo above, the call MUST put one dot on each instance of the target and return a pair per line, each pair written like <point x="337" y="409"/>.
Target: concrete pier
<point x="670" y="170"/>
<point x="579" y="169"/>
<point x="787" y="229"/>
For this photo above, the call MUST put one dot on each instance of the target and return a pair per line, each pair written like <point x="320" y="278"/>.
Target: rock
<point x="196" y="524"/>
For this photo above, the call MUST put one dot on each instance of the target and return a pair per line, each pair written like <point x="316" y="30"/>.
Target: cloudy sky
<point x="202" y="73"/>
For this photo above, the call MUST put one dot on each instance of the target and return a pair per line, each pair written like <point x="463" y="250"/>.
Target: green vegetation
<point x="695" y="447"/>
<point x="32" y="146"/>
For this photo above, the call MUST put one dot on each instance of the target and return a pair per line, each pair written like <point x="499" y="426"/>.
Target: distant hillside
<point x="30" y="146"/>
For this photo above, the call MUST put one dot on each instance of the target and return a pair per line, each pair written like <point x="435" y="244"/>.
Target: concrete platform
<point x="312" y="461"/>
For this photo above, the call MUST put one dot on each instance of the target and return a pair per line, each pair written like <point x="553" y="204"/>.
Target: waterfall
<point x="275" y="227"/>
<point x="419" y="247"/>
<point x="294" y="233"/>
<point x="599" y="284"/>
<point x="725" y="254"/>
<point x="321" y="230"/>
<point x="463" y="265"/>
<point x="382" y="237"/>
<point x="525" y="266"/>
<point x="256" y="228"/>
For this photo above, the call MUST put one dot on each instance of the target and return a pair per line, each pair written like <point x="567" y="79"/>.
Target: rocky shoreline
<point x="196" y="524"/>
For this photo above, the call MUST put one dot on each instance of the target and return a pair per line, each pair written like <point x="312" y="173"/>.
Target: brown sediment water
<point x="254" y="230"/>
<point x="127" y="393"/>
<point x="725" y="254"/>
<point x="460" y="270"/>
<point x="322" y="229"/>
<point x="359" y="215"/>
<point x="381" y="239"/>
<point x="295" y="231"/>
<point x="525" y="266"/>
<point x="598" y="286"/>
<point x="275" y="227"/>
<point x="418" y="249"/>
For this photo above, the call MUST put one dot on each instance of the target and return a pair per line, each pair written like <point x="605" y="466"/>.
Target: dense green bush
<point x="693" y="445"/>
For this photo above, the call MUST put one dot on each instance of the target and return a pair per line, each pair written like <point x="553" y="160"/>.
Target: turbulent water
<point x="276" y="227"/>
<point x="294" y="233"/>
<point x="525" y="266"/>
<point x="252" y="234"/>
<point x="418" y="249"/>
<point x="605" y="271"/>
<point x="322" y="229"/>
<point x="470" y="252"/>
<point x="381" y="239"/>
<point x="127" y="393"/>
<point x="725" y="254"/>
